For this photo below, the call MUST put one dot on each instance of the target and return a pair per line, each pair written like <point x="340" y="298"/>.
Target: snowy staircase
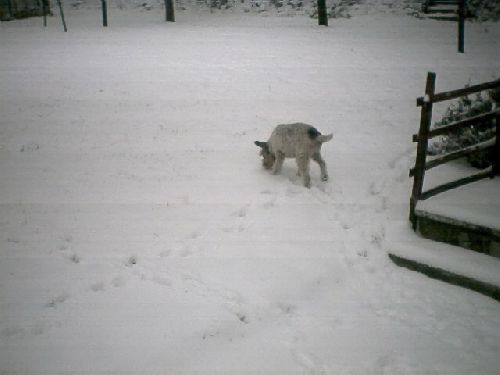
<point x="461" y="215"/>
<point x="442" y="10"/>
<point x="457" y="239"/>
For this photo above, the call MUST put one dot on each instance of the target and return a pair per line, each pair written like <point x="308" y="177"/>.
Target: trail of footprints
<point x="152" y="270"/>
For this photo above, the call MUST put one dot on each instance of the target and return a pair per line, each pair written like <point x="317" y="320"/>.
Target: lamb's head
<point x="268" y="158"/>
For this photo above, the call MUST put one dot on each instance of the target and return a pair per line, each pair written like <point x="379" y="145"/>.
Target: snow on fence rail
<point x="485" y="120"/>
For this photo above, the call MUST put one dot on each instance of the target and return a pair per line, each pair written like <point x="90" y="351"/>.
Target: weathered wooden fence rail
<point x="485" y="120"/>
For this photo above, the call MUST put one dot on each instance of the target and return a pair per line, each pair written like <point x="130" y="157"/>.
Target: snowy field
<point x="139" y="233"/>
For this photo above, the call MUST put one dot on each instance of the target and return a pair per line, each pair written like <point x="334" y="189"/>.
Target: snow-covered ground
<point x="139" y="233"/>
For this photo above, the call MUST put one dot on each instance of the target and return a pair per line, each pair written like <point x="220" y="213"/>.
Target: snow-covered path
<point x="139" y="233"/>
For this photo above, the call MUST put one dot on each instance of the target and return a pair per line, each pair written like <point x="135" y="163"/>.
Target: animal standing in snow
<point x="300" y="141"/>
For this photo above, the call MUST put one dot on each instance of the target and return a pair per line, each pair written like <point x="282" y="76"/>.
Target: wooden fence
<point x="483" y="121"/>
<point x="449" y="10"/>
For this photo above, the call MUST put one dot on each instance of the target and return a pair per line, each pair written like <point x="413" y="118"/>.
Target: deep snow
<point x="139" y="233"/>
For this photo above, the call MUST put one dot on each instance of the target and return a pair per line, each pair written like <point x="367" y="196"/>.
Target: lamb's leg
<point x="303" y="164"/>
<point x="318" y="159"/>
<point x="278" y="163"/>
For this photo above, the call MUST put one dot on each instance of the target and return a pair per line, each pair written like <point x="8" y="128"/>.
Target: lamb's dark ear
<point x="313" y="133"/>
<point x="261" y="144"/>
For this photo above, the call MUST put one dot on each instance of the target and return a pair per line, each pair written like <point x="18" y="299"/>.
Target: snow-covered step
<point x="467" y="216"/>
<point x="450" y="264"/>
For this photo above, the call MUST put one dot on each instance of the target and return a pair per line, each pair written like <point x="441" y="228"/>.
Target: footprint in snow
<point x="185" y="252"/>
<point x="56" y="301"/>
<point x="118" y="281"/>
<point x="194" y="235"/>
<point x="161" y="280"/>
<point x="67" y="240"/>
<point x="241" y="213"/>
<point x="30" y="147"/>
<point x="165" y="253"/>
<point x="131" y="261"/>
<point x="308" y="361"/>
<point x="75" y="258"/>
<point x="11" y="331"/>
<point x="97" y="287"/>
<point x="286" y="308"/>
<point x="242" y="317"/>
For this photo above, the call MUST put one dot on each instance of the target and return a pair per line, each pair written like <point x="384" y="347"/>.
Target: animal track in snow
<point x="185" y="252"/>
<point x="131" y="261"/>
<point x="195" y="234"/>
<point x="165" y="253"/>
<point x="118" y="281"/>
<point x="311" y="363"/>
<point x="240" y="216"/>
<point x="286" y="308"/>
<point x="231" y="300"/>
<point x="162" y="280"/>
<point x="242" y="317"/>
<point x="12" y="331"/>
<point x="241" y="213"/>
<point x="75" y="258"/>
<point x="273" y="197"/>
<point x="67" y="239"/>
<point x="56" y="301"/>
<point x="30" y="147"/>
<point x="97" y="287"/>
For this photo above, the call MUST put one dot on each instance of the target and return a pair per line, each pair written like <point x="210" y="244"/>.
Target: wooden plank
<point x="479" y="121"/>
<point x="104" y="6"/>
<point x="454" y="184"/>
<point x="444" y="18"/>
<point x="322" y="13"/>
<point x="486" y="145"/>
<point x="461" y="26"/>
<point x="442" y="11"/>
<point x="487" y="289"/>
<point x="449" y="2"/>
<point x="61" y="11"/>
<point x="439" y="97"/>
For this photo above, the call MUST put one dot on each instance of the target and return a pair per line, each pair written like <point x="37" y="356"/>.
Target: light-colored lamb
<point x="300" y="141"/>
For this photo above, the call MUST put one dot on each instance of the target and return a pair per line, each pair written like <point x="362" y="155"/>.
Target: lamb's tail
<point x="324" y="138"/>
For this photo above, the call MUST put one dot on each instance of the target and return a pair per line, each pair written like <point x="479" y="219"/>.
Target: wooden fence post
<point x="461" y="26"/>
<point x="322" y="13"/>
<point x="425" y="6"/>
<point x="104" y="13"/>
<point x="422" y="145"/>
<point x="62" y="15"/>
<point x="169" y="11"/>
<point x="44" y="5"/>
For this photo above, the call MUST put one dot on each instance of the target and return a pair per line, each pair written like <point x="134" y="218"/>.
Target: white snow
<point x="139" y="233"/>
<point x="479" y="204"/>
<point x="446" y="257"/>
